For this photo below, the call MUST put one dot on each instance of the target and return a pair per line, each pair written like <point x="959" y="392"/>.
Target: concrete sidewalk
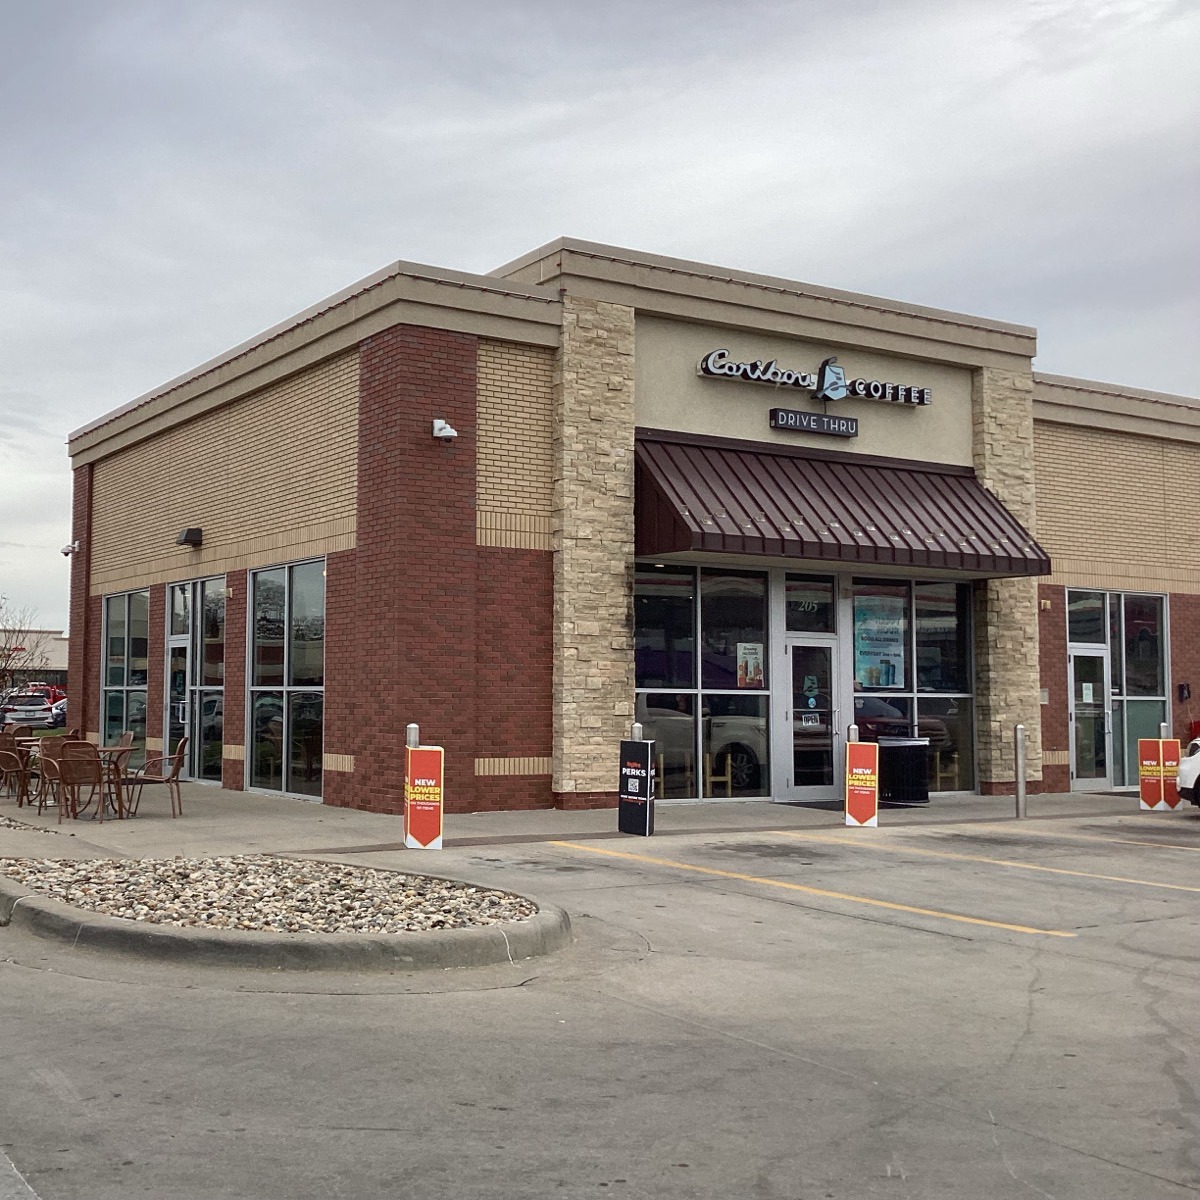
<point x="217" y="822"/>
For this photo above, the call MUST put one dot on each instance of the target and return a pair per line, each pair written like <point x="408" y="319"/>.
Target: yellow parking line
<point x="1084" y="837"/>
<point x="812" y="891"/>
<point x="864" y="844"/>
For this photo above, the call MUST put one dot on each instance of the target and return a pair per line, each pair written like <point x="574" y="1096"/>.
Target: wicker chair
<point x="78" y="768"/>
<point x="14" y="771"/>
<point x="159" y="768"/>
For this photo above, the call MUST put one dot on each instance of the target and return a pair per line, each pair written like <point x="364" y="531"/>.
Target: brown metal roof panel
<point x="752" y="501"/>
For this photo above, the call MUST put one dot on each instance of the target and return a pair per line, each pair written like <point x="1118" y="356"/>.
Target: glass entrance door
<point x="1088" y="715"/>
<point x="177" y="694"/>
<point x="812" y="722"/>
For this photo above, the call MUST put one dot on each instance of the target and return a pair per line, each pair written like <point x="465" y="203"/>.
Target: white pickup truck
<point x="1189" y="769"/>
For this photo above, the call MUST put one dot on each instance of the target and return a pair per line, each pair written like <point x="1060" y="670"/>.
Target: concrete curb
<point x="549" y="929"/>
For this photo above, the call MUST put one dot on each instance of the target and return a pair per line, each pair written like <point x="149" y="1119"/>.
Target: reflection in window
<point x="809" y="603"/>
<point x="306" y="654"/>
<point x="733" y="624"/>
<point x="736" y="746"/>
<point x="1143" y="646"/>
<point x="664" y="618"/>
<point x="669" y="720"/>
<point x="1086" y="617"/>
<point x="266" y="751"/>
<point x="879" y="716"/>
<point x="126" y="643"/>
<point x="943" y="624"/>
<point x="286" y="696"/>
<point x="269" y="587"/>
<point x="949" y="724"/>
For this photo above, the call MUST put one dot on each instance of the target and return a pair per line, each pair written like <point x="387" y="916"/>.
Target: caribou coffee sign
<point x="828" y="383"/>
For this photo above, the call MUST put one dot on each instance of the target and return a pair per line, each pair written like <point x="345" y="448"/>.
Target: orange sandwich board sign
<point x="423" y="797"/>
<point x="862" y="783"/>
<point x="1158" y="766"/>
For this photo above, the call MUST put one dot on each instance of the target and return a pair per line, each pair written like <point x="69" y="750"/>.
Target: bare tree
<point x="23" y="647"/>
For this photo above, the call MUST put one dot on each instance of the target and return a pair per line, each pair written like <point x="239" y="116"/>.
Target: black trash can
<point x="904" y="770"/>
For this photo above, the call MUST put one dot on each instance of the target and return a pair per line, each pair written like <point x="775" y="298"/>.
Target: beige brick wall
<point x="240" y="473"/>
<point x="593" y="560"/>
<point x="1114" y="508"/>
<point x="1007" y="682"/>
<point x="514" y="446"/>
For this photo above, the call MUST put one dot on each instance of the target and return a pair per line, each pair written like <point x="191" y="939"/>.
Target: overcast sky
<point x="179" y="176"/>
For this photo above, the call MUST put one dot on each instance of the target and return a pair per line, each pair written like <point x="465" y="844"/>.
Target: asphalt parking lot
<point x="959" y="1009"/>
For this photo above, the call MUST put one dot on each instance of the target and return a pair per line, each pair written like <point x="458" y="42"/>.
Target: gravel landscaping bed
<point x="265" y="893"/>
<point x="9" y="823"/>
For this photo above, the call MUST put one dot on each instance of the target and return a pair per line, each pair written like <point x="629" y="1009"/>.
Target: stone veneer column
<point x="593" y="549"/>
<point x="1007" y="681"/>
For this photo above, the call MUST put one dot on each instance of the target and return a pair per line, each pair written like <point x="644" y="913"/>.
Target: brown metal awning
<point x="734" y="498"/>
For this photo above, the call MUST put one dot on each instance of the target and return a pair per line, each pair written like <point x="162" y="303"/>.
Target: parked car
<point x="28" y="708"/>
<point x="1189" y="772"/>
<point x="58" y="711"/>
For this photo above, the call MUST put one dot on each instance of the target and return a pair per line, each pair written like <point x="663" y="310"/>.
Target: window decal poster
<point x="879" y="641"/>
<point x="749" y="664"/>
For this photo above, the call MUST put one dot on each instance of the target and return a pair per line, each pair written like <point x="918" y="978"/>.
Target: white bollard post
<point x="1019" y="762"/>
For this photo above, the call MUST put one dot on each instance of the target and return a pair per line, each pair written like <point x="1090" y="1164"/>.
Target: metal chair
<point x="159" y="768"/>
<point x="80" y="767"/>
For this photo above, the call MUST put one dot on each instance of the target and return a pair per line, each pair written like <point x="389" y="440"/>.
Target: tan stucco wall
<point x="241" y="473"/>
<point x="671" y="395"/>
<point x="515" y="446"/>
<point x="1113" y="508"/>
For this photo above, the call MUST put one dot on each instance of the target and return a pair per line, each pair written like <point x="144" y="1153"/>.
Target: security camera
<point x="443" y="429"/>
<point x="69" y="549"/>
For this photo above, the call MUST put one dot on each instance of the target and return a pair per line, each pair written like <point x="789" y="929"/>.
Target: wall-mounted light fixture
<point x="443" y="429"/>
<point x="190" y="537"/>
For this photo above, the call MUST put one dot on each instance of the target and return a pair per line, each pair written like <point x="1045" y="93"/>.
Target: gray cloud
<point x="181" y="176"/>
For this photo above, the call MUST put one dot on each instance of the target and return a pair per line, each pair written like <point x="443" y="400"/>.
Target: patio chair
<point x="78" y="768"/>
<point x="14" y="770"/>
<point x="159" y="768"/>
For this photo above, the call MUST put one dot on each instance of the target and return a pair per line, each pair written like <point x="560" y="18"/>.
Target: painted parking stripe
<point x="864" y="844"/>
<point x="846" y="897"/>
<point x="12" y="1182"/>
<point x="1086" y="837"/>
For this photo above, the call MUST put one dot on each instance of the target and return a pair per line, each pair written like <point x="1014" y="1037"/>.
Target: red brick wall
<point x="156" y="660"/>
<point x="421" y="623"/>
<point x="411" y="657"/>
<point x="1052" y="652"/>
<point x="348" y="723"/>
<point x="83" y="661"/>
<point x="515" y="672"/>
<point x="1184" y="616"/>
<point x="233" y="719"/>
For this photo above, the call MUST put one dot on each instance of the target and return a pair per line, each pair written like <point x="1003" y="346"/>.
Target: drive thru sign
<point x="423" y="797"/>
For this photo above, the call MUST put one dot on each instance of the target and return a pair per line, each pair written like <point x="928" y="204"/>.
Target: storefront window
<point x="1143" y="646"/>
<point x="949" y="724"/>
<point x="268" y="632"/>
<point x="943" y="625"/>
<point x="881" y="636"/>
<point x="287" y="694"/>
<point x="809" y="603"/>
<point x="664" y="614"/>
<point x="736" y="746"/>
<point x="126" y="645"/>
<point x="733" y="629"/>
<point x="1116" y="639"/>
<point x="669" y="720"/>
<point x="1086" y="617"/>
<point x="879" y="716"/>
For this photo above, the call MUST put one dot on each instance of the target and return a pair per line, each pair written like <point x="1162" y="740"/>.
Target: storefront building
<point x="526" y="509"/>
